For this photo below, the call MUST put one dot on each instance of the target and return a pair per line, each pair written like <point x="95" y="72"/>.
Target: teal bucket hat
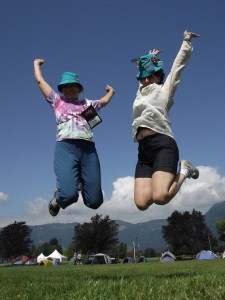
<point x="148" y="64"/>
<point x="69" y="77"/>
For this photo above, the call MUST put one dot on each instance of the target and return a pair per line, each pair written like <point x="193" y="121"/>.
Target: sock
<point x="186" y="172"/>
<point x="53" y="202"/>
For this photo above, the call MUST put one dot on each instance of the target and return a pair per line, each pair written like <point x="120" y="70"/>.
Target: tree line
<point x="185" y="233"/>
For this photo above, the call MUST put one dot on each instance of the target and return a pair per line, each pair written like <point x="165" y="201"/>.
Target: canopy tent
<point x="101" y="258"/>
<point x="41" y="257"/>
<point x="56" y="255"/>
<point x="167" y="256"/>
<point x="203" y="254"/>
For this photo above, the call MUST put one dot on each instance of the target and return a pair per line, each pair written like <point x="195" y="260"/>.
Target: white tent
<point x="203" y="254"/>
<point x="101" y="258"/>
<point x="167" y="256"/>
<point x="56" y="255"/>
<point x="41" y="257"/>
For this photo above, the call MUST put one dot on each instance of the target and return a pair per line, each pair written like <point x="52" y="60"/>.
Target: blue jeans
<point x="77" y="161"/>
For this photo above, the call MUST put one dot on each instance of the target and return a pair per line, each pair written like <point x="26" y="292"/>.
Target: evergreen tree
<point x="48" y="247"/>
<point x="100" y="235"/>
<point x="220" y="226"/>
<point x="187" y="233"/>
<point x="15" y="240"/>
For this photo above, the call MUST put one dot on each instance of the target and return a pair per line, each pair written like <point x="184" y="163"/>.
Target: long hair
<point x="160" y="74"/>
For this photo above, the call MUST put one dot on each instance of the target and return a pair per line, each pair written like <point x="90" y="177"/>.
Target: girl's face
<point x="150" y="80"/>
<point x="71" y="91"/>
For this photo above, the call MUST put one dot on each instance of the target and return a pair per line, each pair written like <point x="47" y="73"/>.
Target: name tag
<point x="91" y="116"/>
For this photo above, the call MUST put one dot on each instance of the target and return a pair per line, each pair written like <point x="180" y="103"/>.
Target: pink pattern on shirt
<point x="70" y="122"/>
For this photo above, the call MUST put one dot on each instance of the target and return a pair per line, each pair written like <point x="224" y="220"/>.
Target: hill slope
<point x="147" y="234"/>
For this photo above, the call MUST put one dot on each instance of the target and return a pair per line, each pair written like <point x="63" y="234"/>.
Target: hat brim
<point x="142" y="73"/>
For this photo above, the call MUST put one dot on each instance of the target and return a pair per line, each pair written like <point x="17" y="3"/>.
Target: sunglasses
<point x="69" y="86"/>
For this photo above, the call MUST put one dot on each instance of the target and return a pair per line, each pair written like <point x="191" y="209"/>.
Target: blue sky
<point x="96" y="40"/>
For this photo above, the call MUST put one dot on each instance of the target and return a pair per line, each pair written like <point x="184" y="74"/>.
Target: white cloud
<point x="3" y="197"/>
<point x="201" y="194"/>
<point x="198" y="194"/>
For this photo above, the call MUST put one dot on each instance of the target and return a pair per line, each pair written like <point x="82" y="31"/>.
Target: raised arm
<point x="179" y="64"/>
<point x="188" y="35"/>
<point x="43" y="85"/>
<point x="105" y="99"/>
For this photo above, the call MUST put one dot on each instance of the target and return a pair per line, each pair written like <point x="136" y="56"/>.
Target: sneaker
<point x="193" y="171"/>
<point x="53" y="206"/>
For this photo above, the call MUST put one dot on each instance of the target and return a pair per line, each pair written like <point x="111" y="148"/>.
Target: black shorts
<point x="156" y="152"/>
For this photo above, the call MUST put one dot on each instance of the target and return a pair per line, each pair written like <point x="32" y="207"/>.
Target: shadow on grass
<point x="115" y="277"/>
<point x="176" y="275"/>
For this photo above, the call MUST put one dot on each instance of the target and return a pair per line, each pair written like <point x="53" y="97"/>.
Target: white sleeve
<point x="179" y="64"/>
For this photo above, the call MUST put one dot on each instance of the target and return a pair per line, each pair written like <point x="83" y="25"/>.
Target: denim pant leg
<point x="66" y="166"/>
<point x="91" y="176"/>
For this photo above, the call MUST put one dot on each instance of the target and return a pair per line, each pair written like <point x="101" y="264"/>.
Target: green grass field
<point x="152" y="280"/>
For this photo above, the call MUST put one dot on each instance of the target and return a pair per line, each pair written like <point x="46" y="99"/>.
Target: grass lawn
<point x="153" y="280"/>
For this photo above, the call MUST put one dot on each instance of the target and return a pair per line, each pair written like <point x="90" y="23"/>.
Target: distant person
<point x="76" y="163"/>
<point x="79" y="258"/>
<point x="75" y="260"/>
<point x="156" y="177"/>
<point x="125" y="260"/>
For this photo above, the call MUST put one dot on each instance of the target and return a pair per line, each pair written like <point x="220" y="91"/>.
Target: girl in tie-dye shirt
<point x="76" y="162"/>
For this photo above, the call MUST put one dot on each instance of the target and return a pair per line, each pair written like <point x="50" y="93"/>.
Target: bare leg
<point x="159" y="189"/>
<point x="165" y="186"/>
<point x="143" y="193"/>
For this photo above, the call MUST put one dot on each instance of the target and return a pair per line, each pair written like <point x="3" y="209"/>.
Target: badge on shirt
<point x="91" y="116"/>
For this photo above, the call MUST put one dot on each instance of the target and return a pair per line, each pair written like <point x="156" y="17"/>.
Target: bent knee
<point x="92" y="203"/>
<point x="143" y="204"/>
<point x="95" y="206"/>
<point x="142" y="207"/>
<point x="161" y="198"/>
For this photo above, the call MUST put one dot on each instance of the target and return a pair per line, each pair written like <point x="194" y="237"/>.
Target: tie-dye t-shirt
<point x="70" y="123"/>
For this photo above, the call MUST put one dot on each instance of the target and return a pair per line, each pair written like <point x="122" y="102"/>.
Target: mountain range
<point x="146" y="234"/>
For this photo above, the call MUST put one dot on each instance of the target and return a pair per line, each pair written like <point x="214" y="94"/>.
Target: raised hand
<point x="188" y="35"/>
<point x="39" y="61"/>
<point x="154" y="51"/>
